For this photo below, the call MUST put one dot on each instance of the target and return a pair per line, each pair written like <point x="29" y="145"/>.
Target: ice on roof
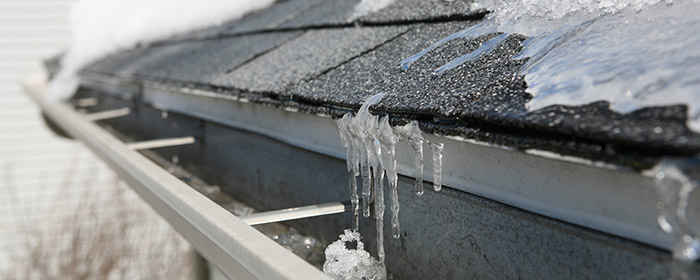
<point x="632" y="54"/>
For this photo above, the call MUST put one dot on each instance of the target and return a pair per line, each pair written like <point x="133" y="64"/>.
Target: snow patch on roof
<point x="632" y="54"/>
<point x="369" y="6"/>
<point x="518" y="16"/>
<point x="103" y="27"/>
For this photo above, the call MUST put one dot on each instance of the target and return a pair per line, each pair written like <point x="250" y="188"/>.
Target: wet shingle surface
<point x="318" y="62"/>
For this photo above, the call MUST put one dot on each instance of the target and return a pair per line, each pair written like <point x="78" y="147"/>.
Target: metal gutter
<point x="240" y="251"/>
<point x="296" y="213"/>
<point x="599" y="196"/>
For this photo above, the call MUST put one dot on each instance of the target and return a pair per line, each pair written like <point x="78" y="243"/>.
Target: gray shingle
<point x="420" y="10"/>
<point x="328" y="12"/>
<point x="279" y="13"/>
<point x="195" y="61"/>
<point x="305" y="57"/>
<point x="333" y="70"/>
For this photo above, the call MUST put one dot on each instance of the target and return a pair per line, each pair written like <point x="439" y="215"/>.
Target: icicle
<point x="347" y="141"/>
<point x="379" y="202"/>
<point x="419" y="168"/>
<point x="411" y="132"/>
<point x="388" y="140"/>
<point x="362" y="126"/>
<point x="393" y="186"/>
<point x="366" y="180"/>
<point x="354" y="201"/>
<point x="674" y="188"/>
<point x="353" y="135"/>
<point x="436" y="149"/>
<point x="371" y="153"/>
<point x="356" y="150"/>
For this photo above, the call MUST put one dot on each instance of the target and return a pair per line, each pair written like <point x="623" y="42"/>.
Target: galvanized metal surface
<point x="160" y="143"/>
<point x="594" y="195"/>
<point x="445" y="235"/>
<point x="295" y="213"/>
<point x="97" y="116"/>
<point x="237" y="249"/>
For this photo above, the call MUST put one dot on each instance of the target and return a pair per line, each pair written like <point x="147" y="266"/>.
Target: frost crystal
<point x="344" y="263"/>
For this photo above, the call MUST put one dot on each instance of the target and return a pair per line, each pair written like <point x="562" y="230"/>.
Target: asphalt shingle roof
<point x="306" y="54"/>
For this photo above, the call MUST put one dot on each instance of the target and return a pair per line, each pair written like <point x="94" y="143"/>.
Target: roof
<point x="305" y="54"/>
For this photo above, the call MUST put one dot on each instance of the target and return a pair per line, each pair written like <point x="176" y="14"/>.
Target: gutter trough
<point x="598" y="195"/>
<point x="237" y="249"/>
<point x="499" y="206"/>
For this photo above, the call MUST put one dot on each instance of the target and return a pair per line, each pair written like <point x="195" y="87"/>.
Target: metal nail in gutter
<point x="240" y="251"/>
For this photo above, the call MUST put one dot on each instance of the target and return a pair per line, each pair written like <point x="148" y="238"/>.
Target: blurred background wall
<point x="63" y="213"/>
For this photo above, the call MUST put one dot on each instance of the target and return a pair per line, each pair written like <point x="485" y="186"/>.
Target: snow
<point x="633" y="54"/>
<point x="516" y="16"/>
<point x="102" y="27"/>
<point x="632" y="59"/>
<point x="344" y="263"/>
<point x="366" y="7"/>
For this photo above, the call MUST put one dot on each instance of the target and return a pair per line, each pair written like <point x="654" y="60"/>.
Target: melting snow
<point x="102" y="27"/>
<point x="633" y="54"/>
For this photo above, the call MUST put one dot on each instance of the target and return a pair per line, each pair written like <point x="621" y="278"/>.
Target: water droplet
<point x="687" y="238"/>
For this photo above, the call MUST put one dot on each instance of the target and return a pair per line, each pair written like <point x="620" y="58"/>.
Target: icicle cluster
<point x="370" y="143"/>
